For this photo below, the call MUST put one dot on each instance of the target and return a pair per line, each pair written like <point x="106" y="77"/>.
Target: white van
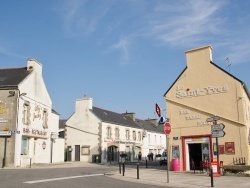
<point x="164" y="158"/>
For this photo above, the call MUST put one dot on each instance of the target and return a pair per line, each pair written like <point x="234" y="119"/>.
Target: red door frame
<point x="183" y="138"/>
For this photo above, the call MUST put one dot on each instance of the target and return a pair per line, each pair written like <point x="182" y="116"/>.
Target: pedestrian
<point x="139" y="156"/>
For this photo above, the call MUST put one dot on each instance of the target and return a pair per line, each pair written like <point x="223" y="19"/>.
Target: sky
<point x="124" y="54"/>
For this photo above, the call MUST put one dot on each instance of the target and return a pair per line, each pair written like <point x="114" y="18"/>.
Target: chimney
<point x="199" y="56"/>
<point x="34" y="65"/>
<point x="131" y="115"/>
<point x="153" y="121"/>
<point x="83" y="105"/>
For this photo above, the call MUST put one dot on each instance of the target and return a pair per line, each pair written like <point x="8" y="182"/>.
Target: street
<point x="74" y="177"/>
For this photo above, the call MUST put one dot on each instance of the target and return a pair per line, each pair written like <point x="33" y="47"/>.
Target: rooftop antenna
<point x="229" y="64"/>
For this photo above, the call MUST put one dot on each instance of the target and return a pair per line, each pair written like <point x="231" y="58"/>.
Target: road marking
<point x="62" y="178"/>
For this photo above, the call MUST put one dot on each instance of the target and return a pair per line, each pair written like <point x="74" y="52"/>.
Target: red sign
<point x="158" y="110"/>
<point x="167" y="128"/>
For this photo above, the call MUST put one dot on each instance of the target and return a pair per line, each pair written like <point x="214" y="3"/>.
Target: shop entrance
<point x="197" y="152"/>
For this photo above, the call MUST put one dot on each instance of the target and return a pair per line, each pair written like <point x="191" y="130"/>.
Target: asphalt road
<point x="90" y="177"/>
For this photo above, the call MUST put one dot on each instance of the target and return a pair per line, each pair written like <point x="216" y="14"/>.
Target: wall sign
<point x="229" y="148"/>
<point x="185" y="92"/>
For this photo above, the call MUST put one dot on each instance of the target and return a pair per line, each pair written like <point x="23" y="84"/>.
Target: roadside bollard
<point x="137" y="170"/>
<point x="212" y="177"/>
<point x="120" y="171"/>
<point x="123" y="169"/>
<point x="146" y="163"/>
<point x="30" y="162"/>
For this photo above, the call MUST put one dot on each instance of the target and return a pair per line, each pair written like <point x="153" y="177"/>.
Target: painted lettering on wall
<point x="182" y="92"/>
<point x="34" y="132"/>
<point x="189" y="116"/>
<point x="3" y="109"/>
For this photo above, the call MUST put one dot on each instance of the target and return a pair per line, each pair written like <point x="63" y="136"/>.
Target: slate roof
<point x="149" y="126"/>
<point x="123" y="120"/>
<point x="11" y="77"/>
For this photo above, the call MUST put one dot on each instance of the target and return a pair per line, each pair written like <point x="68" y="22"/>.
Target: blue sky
<point x="124" y="54"/>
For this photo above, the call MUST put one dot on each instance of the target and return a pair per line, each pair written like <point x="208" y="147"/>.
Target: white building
<point x="96" y="135"/>
<point x="27" y="114"/>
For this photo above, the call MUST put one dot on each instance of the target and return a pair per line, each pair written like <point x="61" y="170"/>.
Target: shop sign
<point x="209" y="90"/>
<point x="5" y="133"/>
<point x="34" y="132"/>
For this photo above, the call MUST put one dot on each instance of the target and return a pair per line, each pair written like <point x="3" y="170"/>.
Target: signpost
<point x="167" y="128"/>
<point x="217" y="131"/>
<point x="158" y="110"/>
<point x="167" y="131"/>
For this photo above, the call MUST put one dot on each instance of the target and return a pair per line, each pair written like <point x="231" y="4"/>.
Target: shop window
<point x="85" y="150"/>
<point x="24" y="145"/>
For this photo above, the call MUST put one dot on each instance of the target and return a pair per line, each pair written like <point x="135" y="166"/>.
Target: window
<point x="127" y="134"/>
<point x="24" y="146"/>
<point x="160" y="140"/>
<point x="45" y="119"/>
<point x="85" y="150"/>
<point x="26" y="113"/>
<point x="149" y="138"/>
<point x="139" y="136"/>
<point x="155" y="140"/>
<point x="108" y="132"/>
<point x="117" y="133"/>
<point x="134" y="135"/>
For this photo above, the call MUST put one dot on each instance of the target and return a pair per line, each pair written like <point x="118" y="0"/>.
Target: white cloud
<point x="6" y="52"/>
<point x="123" y="46"/>
<point x="177" y="24"/>
<point x="79" y="17"/>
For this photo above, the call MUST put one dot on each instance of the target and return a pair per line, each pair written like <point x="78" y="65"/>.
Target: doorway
<point x="112" y="153"/>
<point x="77" y="152"/>
<point x="195" y="156"/>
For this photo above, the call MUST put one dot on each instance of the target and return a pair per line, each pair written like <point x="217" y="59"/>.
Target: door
<point x="77" y="152"/>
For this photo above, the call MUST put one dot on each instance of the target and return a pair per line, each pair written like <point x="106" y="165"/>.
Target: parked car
<point x="164" y="158"/>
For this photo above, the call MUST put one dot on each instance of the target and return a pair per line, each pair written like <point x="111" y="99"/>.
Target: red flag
<point x="158" y="110"/>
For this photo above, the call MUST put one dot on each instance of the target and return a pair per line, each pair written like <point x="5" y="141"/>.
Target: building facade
<point x="202" y="92"/>
<point x="28" y="124"/>
<point x="92" y="131"/>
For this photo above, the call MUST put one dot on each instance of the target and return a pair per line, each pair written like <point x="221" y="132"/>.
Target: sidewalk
<point x="180" y="179"/>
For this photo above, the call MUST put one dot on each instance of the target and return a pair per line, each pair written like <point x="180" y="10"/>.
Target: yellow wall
<point x="202" y="91"/>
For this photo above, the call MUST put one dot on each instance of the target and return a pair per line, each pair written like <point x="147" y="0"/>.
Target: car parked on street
<point x="164" y="158"/>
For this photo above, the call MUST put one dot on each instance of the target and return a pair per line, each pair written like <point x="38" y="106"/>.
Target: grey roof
<point x="113" y="117"/>
<point x="123" y="120"/>
<point x="11" y="77"/>
<point x="149" y="126"/>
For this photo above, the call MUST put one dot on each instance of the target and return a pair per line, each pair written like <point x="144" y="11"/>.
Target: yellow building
<point x="202" y="91"/>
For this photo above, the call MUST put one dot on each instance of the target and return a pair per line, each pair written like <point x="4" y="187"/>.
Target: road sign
<point x="167" y="128"/>
<point x="217" y="134"/>
<point x="5" y="133"/>
<point x="214" y="118"/>
<point x="15" y="132"/>
<point x="158" y="110"/>
<point x="217" y="127"/>
<point x="162" y="120"/>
